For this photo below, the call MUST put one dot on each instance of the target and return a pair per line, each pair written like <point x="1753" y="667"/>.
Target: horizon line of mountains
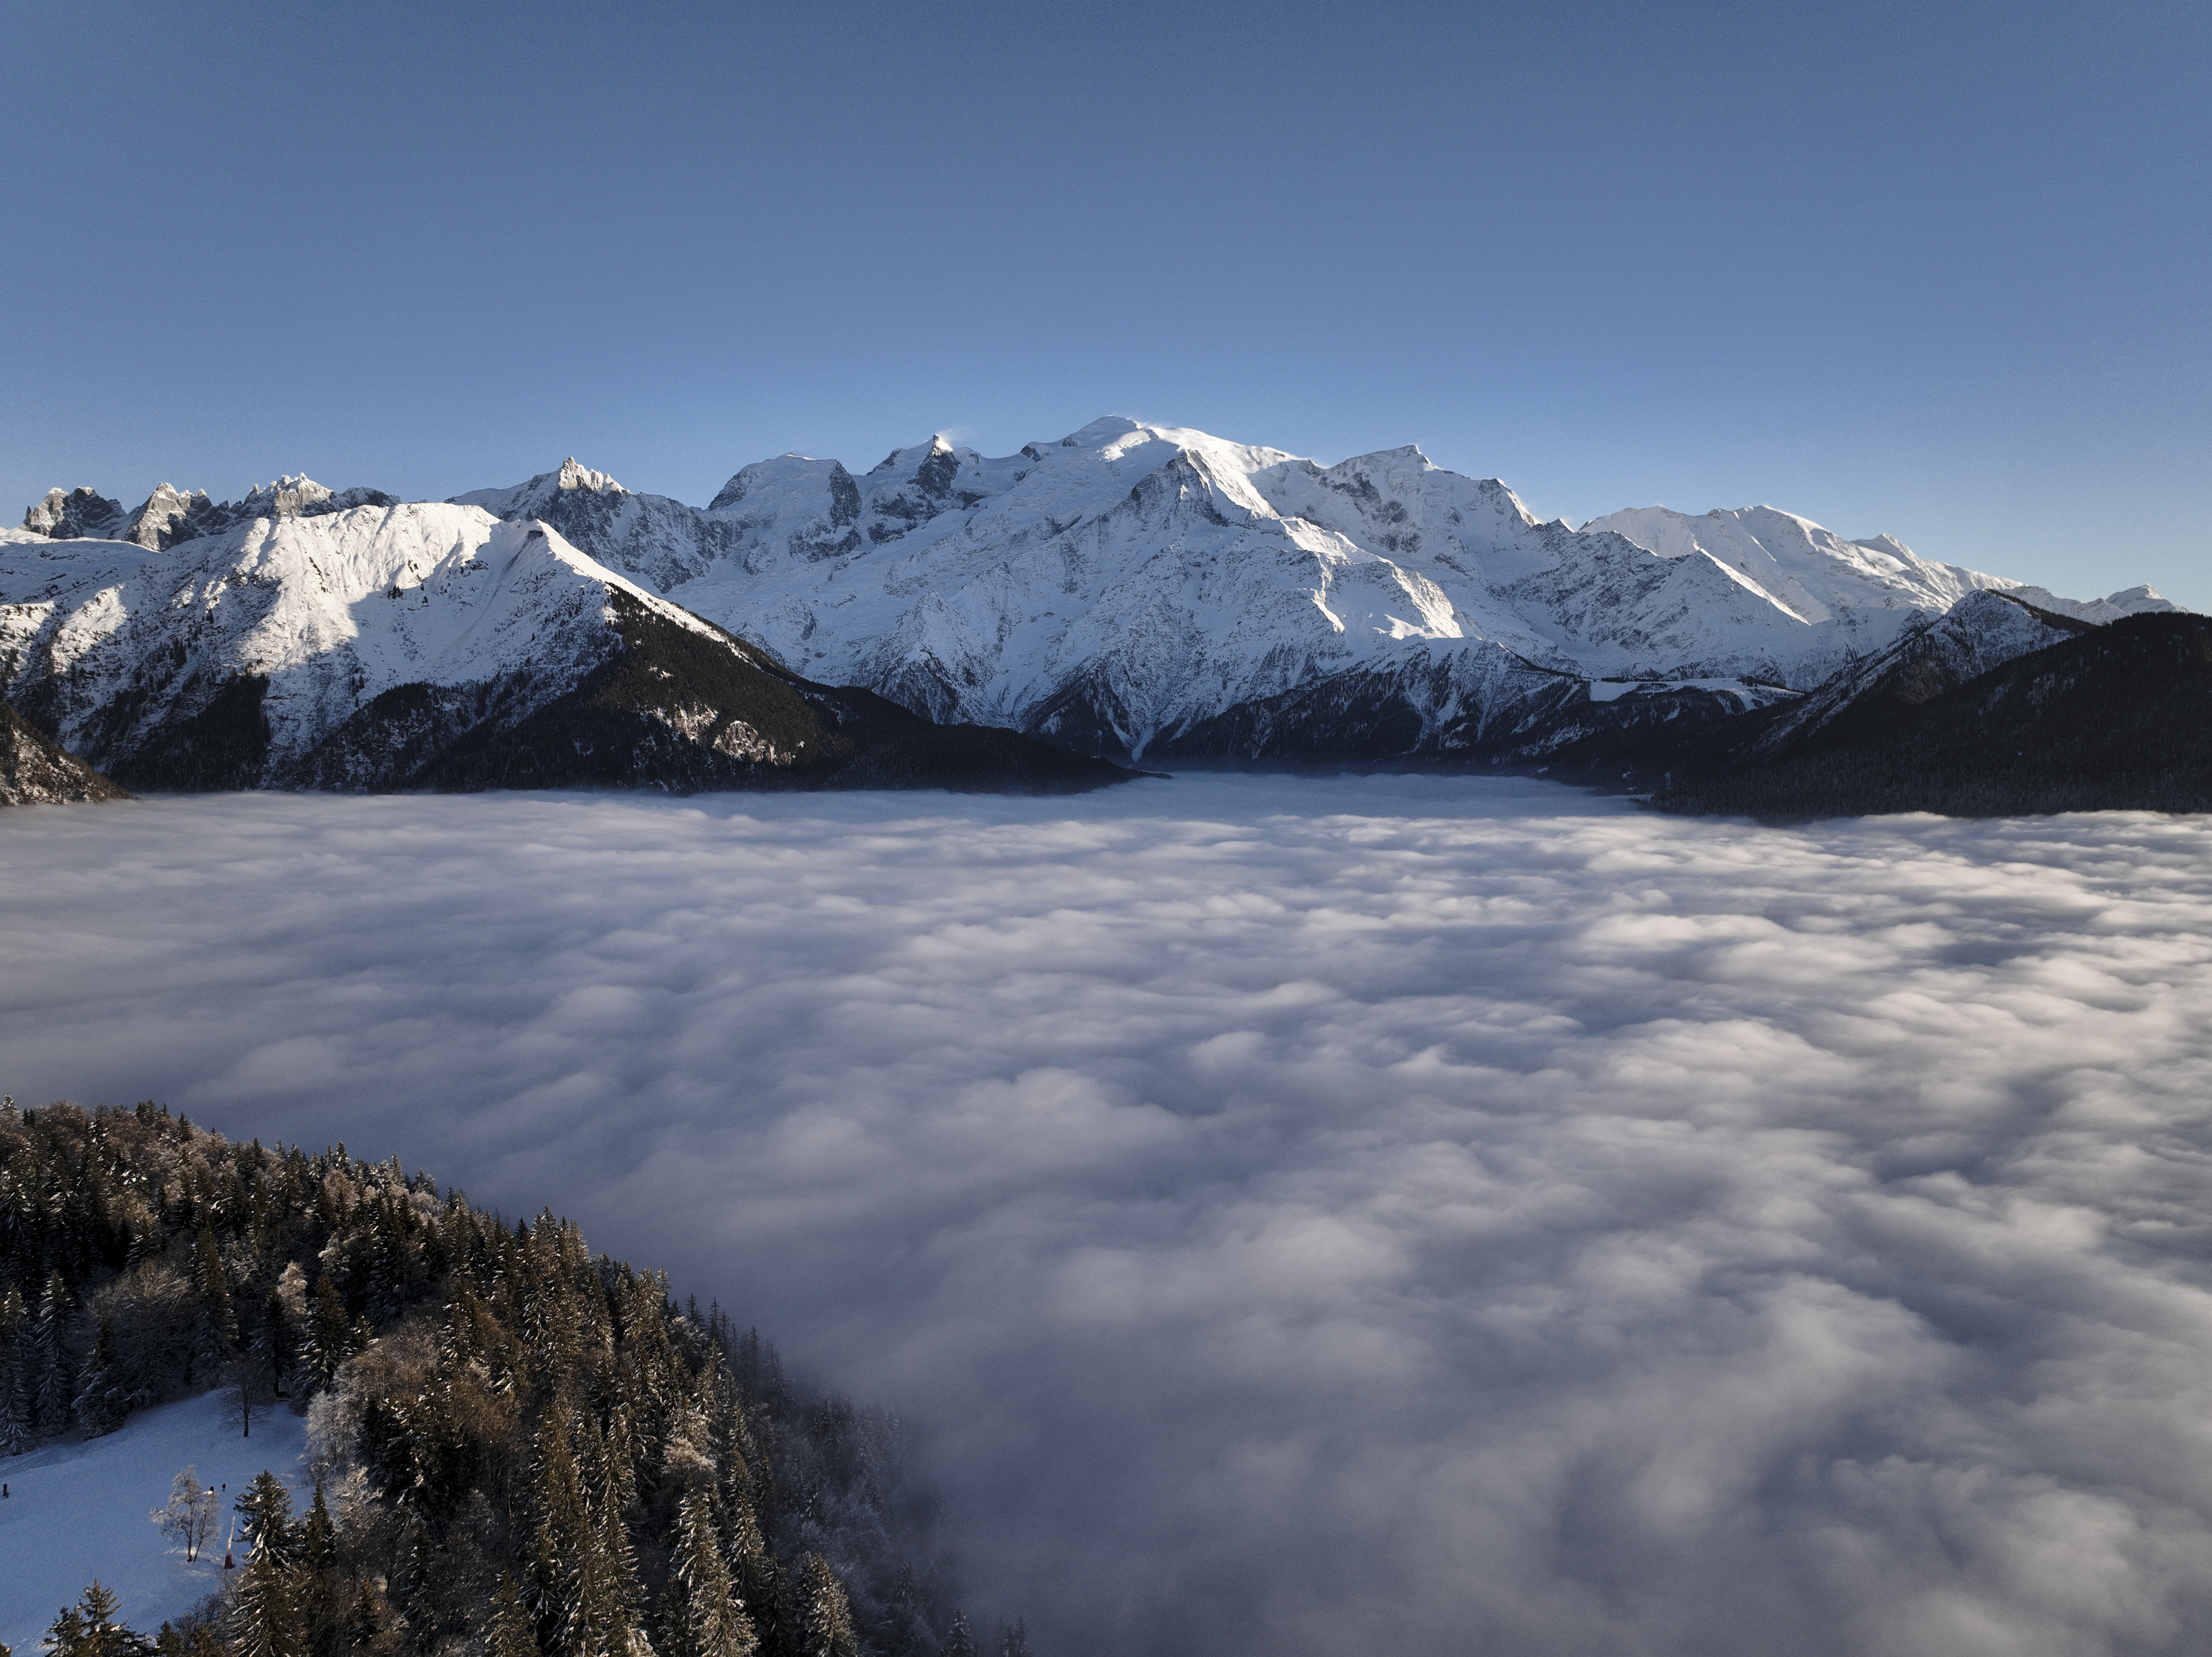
<point x="1130" y="595"/>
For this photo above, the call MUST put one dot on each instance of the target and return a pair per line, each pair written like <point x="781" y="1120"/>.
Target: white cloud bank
<point x="1307" y="1218"/>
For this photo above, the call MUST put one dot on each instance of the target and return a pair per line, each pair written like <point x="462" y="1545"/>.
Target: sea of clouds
<point x="1298" y="1216"/>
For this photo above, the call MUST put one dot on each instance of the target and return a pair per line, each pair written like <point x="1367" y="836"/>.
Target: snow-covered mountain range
<point x="430" y="645"/>
<point x="1130" y="590"/>
<point x="1154" y="590"/>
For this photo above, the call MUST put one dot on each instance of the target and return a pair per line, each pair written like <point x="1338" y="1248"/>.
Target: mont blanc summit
<point x="1130" y="592"/>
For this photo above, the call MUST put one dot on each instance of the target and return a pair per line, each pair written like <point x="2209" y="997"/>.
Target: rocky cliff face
<point x="170" y="515"/>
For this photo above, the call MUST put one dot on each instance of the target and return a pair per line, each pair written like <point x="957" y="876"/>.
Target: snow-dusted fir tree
<point x="52" y="1393"/>
<point x="265" y="1615"/>
<point x="16" y="1435"/>
<point x="100" y="1405"/>
<point x="511" y="1634"/>
<point x="215" y="1329"/>
<point x="90" y="1628"/>
<point x="701" y="1613"/>
<point x="825" y="1615"/>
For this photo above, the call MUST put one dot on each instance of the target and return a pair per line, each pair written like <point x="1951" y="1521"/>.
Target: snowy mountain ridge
<point x="1130" y="589"/>
<point x="1126" y="587"/>
<point x="428" y="644"/>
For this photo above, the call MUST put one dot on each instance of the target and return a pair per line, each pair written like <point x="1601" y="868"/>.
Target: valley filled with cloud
<point x="1296" y="1215"/>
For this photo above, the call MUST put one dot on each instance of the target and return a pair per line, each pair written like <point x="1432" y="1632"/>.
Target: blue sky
<point x="1939" y="272"/>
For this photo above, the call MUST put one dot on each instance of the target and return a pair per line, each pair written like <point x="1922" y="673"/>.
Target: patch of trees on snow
<point x="519" y="1449"/>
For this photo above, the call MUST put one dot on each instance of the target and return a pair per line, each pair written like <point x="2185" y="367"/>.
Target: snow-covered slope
<point x="78" y="1511"/>
<point x="1816" y="574"/>
<point x="1808" y="571"/>
<point x="112" y="643"/>
<point x="661" y="542"/>
<point x="1143" y="589"/>
<point x="422" y="645"/>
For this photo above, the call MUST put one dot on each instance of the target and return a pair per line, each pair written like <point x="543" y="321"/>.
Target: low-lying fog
<point x="1299" y="1217"/>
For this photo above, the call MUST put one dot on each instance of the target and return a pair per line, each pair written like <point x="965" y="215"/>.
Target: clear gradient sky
<point x="1937" y="271"/>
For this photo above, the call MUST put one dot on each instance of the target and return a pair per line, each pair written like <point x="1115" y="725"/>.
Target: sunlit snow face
<point x="1305" y="1216"/>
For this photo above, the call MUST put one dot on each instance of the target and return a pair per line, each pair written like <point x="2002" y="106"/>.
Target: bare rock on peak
<point x="169" y="515"/>
<point x="80" y="514"/>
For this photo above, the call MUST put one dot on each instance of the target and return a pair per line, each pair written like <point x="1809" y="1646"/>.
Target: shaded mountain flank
<point x="35" y="770"/>
<point x="2110" y="718"/>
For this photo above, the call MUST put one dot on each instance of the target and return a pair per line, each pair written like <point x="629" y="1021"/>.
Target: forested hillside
<point x="517" y="1447"/>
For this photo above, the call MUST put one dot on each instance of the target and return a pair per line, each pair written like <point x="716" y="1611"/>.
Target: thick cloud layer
<point x="1300" y="1217"/>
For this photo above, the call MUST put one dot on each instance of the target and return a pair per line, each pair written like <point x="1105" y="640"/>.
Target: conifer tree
<point x="563" y="1565"/>
<point x="266" y="1508"/>
<point x="100" y="1405"/>
<point x="825" y="1615"/>
<point x="317" y="1536"/>
<point x="16" y="1430"/>
<point x="510" y="1634"/>
<point x="959" y="1641"/>
<point x="906" y="1626"/>
<point x="610" y="1595"/>
<point x="272" y="1345"/>
<point x="264" y="1617"/>
<point x="316" y="1577"/>
<point x="754" y="1577"/>
<point x="701" y="1613"/>
<point x="329" y="1335"/>
<point x="371" y="1628"/>
<point x="88" y="1628"/>
<point x="50" y="1402"/>
<point x="214" y="1326"/>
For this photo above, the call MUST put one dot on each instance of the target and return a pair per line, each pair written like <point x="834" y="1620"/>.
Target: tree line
<point x="519" y="1449"/>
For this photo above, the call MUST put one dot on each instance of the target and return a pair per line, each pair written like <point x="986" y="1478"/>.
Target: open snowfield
<point x="78" y="1511"/>
<point x="1299" y="1217"/>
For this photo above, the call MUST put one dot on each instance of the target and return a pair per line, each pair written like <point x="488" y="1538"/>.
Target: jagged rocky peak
<point x="289" y="496"/>
<point x="532" y="497"/>
<point x="78" y="515"/>
<point x="573" y="475"/>
<point x="169" y="515"/>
